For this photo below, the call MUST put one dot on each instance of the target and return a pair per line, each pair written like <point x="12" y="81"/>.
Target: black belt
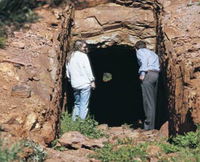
<point x="156" y="71"/>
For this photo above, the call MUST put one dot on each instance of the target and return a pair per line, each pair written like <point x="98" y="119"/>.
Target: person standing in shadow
<point x="148" y="74"/>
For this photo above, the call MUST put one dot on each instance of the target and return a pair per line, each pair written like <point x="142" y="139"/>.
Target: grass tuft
<point x="86" y="127"/>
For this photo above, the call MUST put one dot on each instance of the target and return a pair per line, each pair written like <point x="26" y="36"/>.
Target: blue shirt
<point x="147" y="60"/>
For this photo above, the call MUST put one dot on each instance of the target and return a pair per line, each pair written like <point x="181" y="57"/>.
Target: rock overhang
<point x="111" y="23"/>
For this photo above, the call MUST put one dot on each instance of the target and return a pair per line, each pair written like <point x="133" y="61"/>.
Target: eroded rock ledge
<point x="112" y="23"/>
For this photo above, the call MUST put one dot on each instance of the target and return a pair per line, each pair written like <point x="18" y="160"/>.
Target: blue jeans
<point x="81" y="103"/>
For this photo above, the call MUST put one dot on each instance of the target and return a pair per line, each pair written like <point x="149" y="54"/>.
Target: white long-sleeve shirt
<point x="147" y="60"/>
<point x="79" y="71"/>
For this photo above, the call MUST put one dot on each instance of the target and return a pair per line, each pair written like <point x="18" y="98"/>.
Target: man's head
<point x="81" y="45"/>
<point x="140" y="44"/>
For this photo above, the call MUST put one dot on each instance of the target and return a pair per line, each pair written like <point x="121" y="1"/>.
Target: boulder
<point x="76" y="140"/>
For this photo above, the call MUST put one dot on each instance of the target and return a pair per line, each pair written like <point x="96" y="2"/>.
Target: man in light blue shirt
<point x="148" y="74"/>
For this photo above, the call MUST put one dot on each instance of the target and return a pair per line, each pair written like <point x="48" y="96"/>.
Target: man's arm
<point x="142" y="57"/>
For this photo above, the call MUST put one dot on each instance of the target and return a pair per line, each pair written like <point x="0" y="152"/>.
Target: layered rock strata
<point x="111" y="23"/>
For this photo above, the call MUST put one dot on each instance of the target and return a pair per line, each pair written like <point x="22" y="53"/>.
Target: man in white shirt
<point x="79" y="72"/>
<point x="148" y="74"/>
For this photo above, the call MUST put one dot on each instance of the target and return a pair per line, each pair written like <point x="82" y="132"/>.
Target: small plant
<point x="168" y="148"/>
<point x="9" y="154"/>
<point x="189" y="140"/>
<point x="187" y="147"/>
<point x="23" y="151"/>
<point x="36" y="155"/>
<point x="55" y="147"/>
<point x="87" y="127"/>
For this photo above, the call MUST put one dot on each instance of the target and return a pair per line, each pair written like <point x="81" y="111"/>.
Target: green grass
<point x="121" y="151"/>
<point x="86" y="127"/>
<point x="17" y="152"/>
<point x="189" y="140"/>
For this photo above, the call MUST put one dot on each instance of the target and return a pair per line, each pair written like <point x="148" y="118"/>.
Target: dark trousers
<point x="149" y="93"/>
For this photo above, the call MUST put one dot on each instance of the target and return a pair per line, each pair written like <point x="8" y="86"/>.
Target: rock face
<point x="112" y="23"/>
<point x="180" y="23"/>
<point x="31" y="70"/>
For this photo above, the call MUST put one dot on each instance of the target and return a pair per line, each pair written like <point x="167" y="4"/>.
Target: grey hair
<point x="140" y="44"/>
<point x="76" y="47"/>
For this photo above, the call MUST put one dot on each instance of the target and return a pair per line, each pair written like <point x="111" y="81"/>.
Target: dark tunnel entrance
<point x="117" y="98"/>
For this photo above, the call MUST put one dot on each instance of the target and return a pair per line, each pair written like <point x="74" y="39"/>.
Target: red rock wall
<point x="31" y="71"/>
<point x="179" y="38"/>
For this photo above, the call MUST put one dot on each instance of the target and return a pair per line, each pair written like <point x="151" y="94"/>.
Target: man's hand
<point x="93" y="85"/>
<point x="142" y="77"/>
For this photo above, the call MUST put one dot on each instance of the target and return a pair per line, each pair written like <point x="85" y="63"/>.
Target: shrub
<point x="37" y="155"/>
<point x="18" y="12"/>
<point x="17" y="152"/>
<point x="86" y="127"/>
<point x="189" y="140"/>
<point x="11" y="154"/>
<point x="187" y="147"/>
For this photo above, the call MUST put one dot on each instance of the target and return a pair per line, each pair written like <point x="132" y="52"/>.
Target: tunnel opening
<point x="117" y="98"/>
